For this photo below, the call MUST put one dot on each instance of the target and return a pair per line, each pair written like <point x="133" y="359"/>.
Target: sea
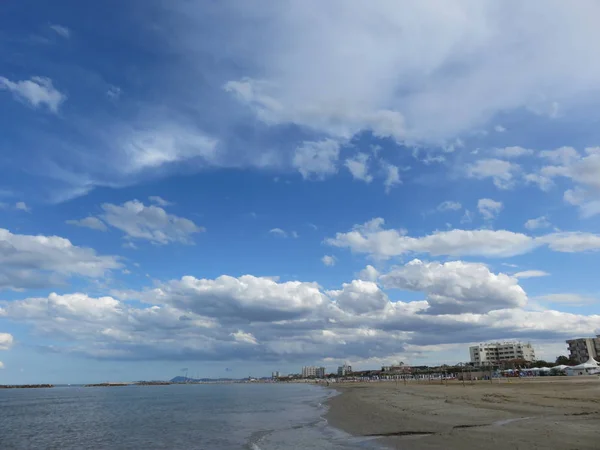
<point x="193" y="416"/>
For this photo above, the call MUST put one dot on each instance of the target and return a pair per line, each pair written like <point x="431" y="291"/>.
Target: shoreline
<point x="520" y="414"/>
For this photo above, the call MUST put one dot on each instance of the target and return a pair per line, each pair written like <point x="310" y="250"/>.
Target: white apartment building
<point x="582" y="349"/>
<point x="275" y="374"/>
<point x="496" y="352"/>
<point x="312" y="371"/>
<point x="344" y="370"/>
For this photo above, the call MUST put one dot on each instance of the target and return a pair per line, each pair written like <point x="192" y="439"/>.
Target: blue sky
<point x="241" y="188"/>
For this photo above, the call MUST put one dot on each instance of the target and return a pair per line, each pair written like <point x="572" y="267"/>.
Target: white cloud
<point x="6" y="341"/>
<point x="246" y="297"/>
<point x="360" y="297"/>
<point x="328" y="260"/>
<point x="457" y="286"/>
<point x="543" y="182"/>
<point x="467" y="217"/>
<point x="38" y="261"/>
<point x="342" y="92"/>
<point x="252" y="318"/>
<point x="62" y="31"/>
<point x="571" y="242"/>
<point x="501" y="172"/>
<point x="392" y="176"/>
<point x="358" y="167"/>
<point x="114" y="93"/>
<point x="337" y="121"/>
<point x="567" y="299"/>
<point x="144" y="149"/>
<point x="317" y="159"/>
<point x="278" y="232"/>
<point x="562" y="155"/>
<point x="89" y="222"/>
<point x="449" y="206"/>
<point x="499" y="129"/>
<point x="1" y="365"/>
<point x="36" y="91"/>
<point x="531" y="274"/>
<point x="151" y="223"/>
<point x="489" y="208"/>
<point x="369" y="273"/>
<point x="539" y="222"/>
<point x="159" y="200"/>
<point x="512" y="152"/>
<point x="244" y="338"/>
<point x="371" y="238"/>
<point x="22" y="206"/>
<point x="582" y="170"/>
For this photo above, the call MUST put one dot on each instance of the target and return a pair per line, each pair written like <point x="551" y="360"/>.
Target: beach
<point x="539" y="413"/>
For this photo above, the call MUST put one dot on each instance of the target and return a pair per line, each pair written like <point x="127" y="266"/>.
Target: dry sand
<point x="544" y="413"/>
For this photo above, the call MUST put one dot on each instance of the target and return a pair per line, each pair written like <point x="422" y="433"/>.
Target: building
<point x="396" y="369"/>
<point x="582" y="349"/>
<point x="275" y="374"/>
<point x="497" y="352"/>
<point x="313" y="372"/>
<point x="344" y="370"/>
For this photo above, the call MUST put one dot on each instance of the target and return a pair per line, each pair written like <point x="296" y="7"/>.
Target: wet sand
<point x="542" y="413"/>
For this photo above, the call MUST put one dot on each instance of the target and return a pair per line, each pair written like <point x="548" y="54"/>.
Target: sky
<point x="235" y="188"/>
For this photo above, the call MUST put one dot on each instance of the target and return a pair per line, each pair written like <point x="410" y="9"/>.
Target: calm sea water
<point x="212" y="417"/>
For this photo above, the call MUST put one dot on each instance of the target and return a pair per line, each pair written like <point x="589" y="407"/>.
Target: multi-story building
<point x="497" y="352"/>
<point x="396" y="369"/>
<point x="275" y="374"/>
<point x="582" y="349"/>
<point x="344" y="370"/>
<point x="313" y="372"/>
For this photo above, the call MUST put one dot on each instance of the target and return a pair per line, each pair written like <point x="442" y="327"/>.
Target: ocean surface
<point x="212" y="417"/>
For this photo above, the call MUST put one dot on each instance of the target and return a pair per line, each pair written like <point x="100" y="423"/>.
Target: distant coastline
<point x="25" y="386"/>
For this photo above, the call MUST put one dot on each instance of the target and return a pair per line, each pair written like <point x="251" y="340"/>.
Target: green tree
<point x="566" y="361"/>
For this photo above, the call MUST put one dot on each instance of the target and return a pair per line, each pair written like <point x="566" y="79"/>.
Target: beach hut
<point x="591" y="367"/>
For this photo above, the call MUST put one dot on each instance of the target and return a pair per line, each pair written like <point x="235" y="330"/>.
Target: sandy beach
<point x="543" y="413"/>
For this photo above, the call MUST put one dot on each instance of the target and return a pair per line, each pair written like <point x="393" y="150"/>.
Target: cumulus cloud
<point x="457" y="286"/>
<point x="583" y="170"/>
<point x="28" y="261"/>
<point x="539" y="222"/>
<point x="392" y="176"/>
<point x="358" y="167"/>
<point x="6" y="341"/>
<point x="328" y="260"/>
<point x="89" y="222"/>
<point x="371" y="238"/>
<point x="489" y="208"/>
<point x="36" y="91"/>
<point x="369" y="273"/>
<point x="150" y="223"/>
<point x="22" y="206"/>
<point x="246" y="297"/>
<point x="360" y="297"/>
<point x="263" y="319"/>
<point x="317" y="159"/>
<point x="501" y="172"/>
